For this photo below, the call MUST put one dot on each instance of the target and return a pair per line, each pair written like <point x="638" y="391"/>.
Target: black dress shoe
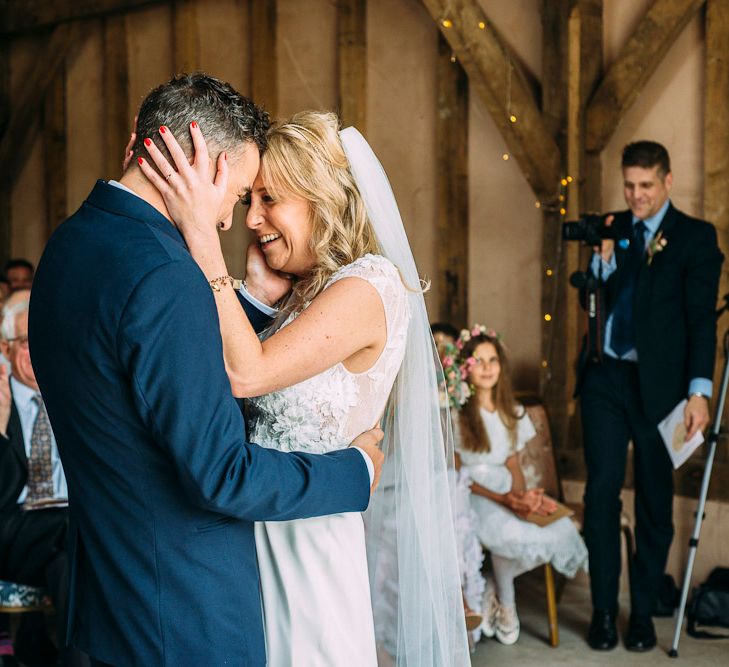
<point x="603" y="634"/>
<point x="641" y="633"/>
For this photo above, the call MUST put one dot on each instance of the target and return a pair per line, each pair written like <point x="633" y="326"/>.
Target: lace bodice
<point x="326" y="412"/>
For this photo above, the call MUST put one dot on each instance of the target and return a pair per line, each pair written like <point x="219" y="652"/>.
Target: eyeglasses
<point x="22" y="341"/>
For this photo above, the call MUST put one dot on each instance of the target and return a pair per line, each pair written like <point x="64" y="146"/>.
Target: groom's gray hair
<point x="228" y="120"/>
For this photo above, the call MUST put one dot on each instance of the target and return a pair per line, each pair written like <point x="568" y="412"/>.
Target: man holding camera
<point x="657" y="345"/>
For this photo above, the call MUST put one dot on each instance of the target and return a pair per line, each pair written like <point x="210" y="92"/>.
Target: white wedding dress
<point x="314" y="578"/>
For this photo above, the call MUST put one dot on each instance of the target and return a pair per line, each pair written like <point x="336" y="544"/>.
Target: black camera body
<point x="592" y="230"/>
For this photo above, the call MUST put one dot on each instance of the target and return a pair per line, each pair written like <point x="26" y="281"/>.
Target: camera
<point x="591" y="230"/>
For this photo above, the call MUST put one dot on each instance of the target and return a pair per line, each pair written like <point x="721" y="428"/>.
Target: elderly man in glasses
<point x="33" y="494"/>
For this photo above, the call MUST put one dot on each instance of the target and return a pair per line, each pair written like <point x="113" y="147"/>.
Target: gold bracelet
<point x="216" y="284"/>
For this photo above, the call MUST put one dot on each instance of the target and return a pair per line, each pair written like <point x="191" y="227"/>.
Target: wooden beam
<point x="5" y="174"/>
<point x="554" y="373"/>
<point x="22" y="127"/>
<point x="555" y="14"/>
<point x="263" y="60"/>
<point x="495" y="77"/>
<point x="352" y="60"/>
<point x="117" y="123"/>
<point x="716" y="166"/>
<point x="452" y="188"/>
<point x="656" y="32"/>
<point x="54" y="152"/>
<point x="19" y="16"/>
<point x="186" y="48"/>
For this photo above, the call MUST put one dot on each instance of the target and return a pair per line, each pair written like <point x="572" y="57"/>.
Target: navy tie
<point x="622" y="335"/>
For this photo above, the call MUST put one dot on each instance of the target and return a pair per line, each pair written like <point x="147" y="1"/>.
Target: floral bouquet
<point x="457" y="390"/>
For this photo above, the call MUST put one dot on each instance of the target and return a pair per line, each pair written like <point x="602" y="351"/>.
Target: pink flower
<point x="448" y="362"/>
<point x="476" y="331"/>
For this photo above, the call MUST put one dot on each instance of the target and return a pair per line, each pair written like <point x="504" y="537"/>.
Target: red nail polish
<point x="147" y="142"/>
<point x="193" y="124"/>
<point x="162" y="129"/>
<point x="140" y="160"/>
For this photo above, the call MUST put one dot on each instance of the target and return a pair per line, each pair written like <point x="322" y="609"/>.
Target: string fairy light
<point x="447" y="23"/>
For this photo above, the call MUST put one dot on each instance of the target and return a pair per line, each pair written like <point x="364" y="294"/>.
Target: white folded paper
<point x="673" y="432"/>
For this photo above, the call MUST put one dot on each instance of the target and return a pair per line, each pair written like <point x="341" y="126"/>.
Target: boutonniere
<point x="657" y="244"/>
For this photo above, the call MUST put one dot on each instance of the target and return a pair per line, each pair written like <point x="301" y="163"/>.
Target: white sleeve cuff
<point x="266" y="310"/>
<point x="370" y="465"/>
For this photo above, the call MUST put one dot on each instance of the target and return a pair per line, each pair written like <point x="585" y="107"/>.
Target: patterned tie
<point x="622" y="335"/>
<point x="40" y="469"/>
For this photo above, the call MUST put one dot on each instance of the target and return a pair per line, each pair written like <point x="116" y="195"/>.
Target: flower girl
<point x="491" y="428"/>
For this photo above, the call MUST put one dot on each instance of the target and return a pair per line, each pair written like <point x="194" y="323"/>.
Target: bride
<point x="350" y="348"/>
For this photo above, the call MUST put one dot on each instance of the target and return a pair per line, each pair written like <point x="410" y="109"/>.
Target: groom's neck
<point x="137" y="182"/>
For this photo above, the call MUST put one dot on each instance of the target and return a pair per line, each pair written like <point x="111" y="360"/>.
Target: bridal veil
<point x="411" y="541"/>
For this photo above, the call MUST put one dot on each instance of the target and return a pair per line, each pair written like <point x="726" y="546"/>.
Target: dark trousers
<point x="33" y="551"/>
<point x="612" y="415"/>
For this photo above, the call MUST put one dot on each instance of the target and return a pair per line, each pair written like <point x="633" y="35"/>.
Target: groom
<point x="163" y="488"/>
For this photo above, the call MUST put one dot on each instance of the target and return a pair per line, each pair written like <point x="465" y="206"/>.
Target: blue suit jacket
<point x="163" y="488"/>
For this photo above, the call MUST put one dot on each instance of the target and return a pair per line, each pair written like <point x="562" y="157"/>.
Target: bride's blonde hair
<point x="305" y="158"/>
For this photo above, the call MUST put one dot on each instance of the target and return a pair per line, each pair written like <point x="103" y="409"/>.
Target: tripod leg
<point x="693" y="546"/>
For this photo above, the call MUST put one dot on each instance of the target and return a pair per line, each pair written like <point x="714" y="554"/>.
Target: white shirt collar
<point x="117" y="184"/>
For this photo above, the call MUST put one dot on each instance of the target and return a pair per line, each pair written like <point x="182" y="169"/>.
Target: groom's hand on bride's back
<point x="369" y="442"/>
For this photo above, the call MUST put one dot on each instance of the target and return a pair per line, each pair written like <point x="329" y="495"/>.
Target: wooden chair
<point x="538" y="462"/>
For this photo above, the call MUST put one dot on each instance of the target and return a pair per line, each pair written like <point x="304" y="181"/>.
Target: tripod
<point x="713" y="438"/>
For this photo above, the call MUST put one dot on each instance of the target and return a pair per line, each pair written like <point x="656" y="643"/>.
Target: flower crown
<point x="476" y="330"/>
<point x="456" y="368"/>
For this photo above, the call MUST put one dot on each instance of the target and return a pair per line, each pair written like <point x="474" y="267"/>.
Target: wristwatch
<point x="698" y="393"/>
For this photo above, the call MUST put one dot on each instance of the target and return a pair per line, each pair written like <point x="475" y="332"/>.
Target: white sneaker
<point x="490" y="609"/>
<point x="507" y="625"/>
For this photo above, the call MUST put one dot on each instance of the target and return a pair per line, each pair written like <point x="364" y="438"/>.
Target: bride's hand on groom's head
<point x="369" y="443"/>
<point x="193" y="199"/>
<point x="262" y="281"/>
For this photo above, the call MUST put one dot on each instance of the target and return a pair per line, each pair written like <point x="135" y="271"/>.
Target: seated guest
<point x="444" y="334"/>
<point x="5" y="289"/>
<point x="470" y="553"/>
<point x="491" y="428"/>
<point x="33" y="494"/>
<point x="12" y="298"/>
<point x="19" y="273"/>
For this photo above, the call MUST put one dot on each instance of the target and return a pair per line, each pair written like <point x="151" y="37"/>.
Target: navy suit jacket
<point x="163" y="488"/>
